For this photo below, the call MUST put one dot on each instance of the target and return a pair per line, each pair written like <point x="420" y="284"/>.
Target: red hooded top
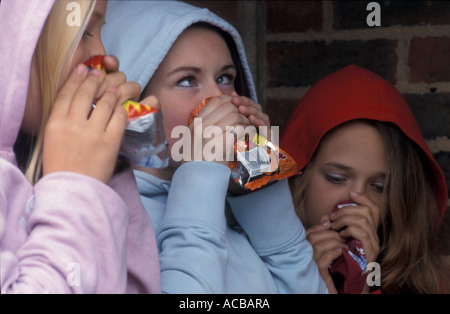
<point x="348" y="94"/>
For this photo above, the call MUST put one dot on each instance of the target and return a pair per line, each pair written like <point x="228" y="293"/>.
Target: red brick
<point x="353" y="14"/>
<point x="429" y="60"/>
<point x="295" y="64"/>
<point x="228" y="10"/>
<point x="293" y="16"/>
<point x="432" y="112"/>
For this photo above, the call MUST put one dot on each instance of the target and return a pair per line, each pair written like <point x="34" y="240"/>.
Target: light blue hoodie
<point x="257" y="247"/>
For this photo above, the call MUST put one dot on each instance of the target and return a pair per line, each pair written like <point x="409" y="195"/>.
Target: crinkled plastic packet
<point x="96" y="62"/>
<point x="257" y="161"/>
<point x="144" y="142"/>
<point x="349" y="271"/>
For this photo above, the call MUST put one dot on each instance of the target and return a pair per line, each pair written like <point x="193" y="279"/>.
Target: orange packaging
<point x="96" y="62"/>
<point x="257" y="161"/>
<point x="198" y="109"/>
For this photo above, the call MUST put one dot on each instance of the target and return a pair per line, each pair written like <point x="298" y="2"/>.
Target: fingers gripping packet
<point x="144" y="142"/>
<point x="349" y="271"/>
<point x="257" y="161"/>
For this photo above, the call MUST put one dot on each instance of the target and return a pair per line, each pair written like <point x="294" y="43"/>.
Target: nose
<point x="213" y="89"/>
<point x="358" y="186"/>
<point x="97" y="48"/>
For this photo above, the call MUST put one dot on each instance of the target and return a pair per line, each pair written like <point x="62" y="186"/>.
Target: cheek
<point x="319" y="200"/>
<point x="80" y="56"/>
<point x="169" y="124"/>
<point x="228" y="89"/>
<point x="376" y="198"/>
<point x="174" y="116"/>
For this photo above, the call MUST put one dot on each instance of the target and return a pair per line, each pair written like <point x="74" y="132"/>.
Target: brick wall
<point x="293" y="44"/>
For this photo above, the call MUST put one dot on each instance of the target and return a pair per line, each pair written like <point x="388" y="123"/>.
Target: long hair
<point x="56" y="44"/>
<point x="409" y="254"/>
<point x="409" y="257"/>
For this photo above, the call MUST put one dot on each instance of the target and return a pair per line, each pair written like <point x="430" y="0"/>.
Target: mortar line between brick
<point x="394" y="32"/>
<point x="439" y="144"/>
<point x="402" y="52"/>
<point x="327" y="16"/>
<point x="286" y="92"/>
<point x="404" y="88"/>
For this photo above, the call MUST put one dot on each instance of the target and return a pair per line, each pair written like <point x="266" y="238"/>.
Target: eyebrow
<point x="338" y="165"/>
<point x="227" y="67"/>
<point x="198" y="70"/>
<point x="348" y="168"/>
<point x="184" y="69"/>
<point x="98" y="14"/>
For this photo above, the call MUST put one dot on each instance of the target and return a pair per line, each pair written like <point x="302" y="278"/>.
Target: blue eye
<point x="226" y="79"/>
<point x="187" y="81"/>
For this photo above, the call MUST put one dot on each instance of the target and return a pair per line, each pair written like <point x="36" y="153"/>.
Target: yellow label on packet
<point x="259" y="140"/>
<point x="135" y="109"/>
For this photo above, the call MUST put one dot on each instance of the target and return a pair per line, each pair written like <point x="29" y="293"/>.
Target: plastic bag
<point x="349" y="271"/>
<point x="144" y="142"/>
<point x="257" y="161"/>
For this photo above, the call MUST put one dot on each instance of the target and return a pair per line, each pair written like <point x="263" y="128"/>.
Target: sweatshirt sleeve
<point x="191" y="236"/>
<point x="277" y="235"/>
<point x="75" y="240"/>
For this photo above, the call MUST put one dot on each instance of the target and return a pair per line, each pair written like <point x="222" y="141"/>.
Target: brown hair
<point x="240" y="83"/>
<point x="409" y="257"/>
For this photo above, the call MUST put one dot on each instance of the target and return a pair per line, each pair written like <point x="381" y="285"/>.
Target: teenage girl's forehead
<point x="192" y="43"/>
<point x="99" y="11"/>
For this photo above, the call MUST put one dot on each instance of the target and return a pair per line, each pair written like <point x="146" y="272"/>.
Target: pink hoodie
<point x="69" y="232"/>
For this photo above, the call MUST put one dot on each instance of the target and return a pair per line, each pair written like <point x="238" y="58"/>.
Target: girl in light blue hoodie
<point x="209" y="241"/>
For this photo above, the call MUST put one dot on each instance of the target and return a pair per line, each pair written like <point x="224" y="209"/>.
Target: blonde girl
<point x="65" y="226"/>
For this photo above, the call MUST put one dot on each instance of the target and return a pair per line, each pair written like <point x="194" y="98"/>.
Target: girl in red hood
<point x="355" y="140"/>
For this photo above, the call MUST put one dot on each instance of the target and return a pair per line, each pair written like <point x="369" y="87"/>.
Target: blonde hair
<point x="408" y="233"/>
<point x="56" y="44"/>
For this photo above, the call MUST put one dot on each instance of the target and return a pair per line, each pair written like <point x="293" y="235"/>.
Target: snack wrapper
<point x="144" y="142"/>
<point x="257" y="161"/>
<point x="96" y="62"/>
<point x="349" y="271"/>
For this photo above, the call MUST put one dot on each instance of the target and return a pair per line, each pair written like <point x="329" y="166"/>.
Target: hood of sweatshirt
<point x="148" y="29"/>
<point x="21" y="23"/>
<point x="348" y="94"/>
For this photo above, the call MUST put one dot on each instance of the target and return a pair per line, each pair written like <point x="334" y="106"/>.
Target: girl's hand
<point x="79" y="139"/>
<point x="218" y="114"/>
<point x="327" y="246"/>
<point x="253" y="112"/>
<point x="359" y="222"/>
<point x="127" y="90"/>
